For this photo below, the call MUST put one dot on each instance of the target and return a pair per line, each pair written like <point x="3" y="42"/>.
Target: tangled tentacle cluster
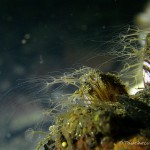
<point x="101" y="115"/>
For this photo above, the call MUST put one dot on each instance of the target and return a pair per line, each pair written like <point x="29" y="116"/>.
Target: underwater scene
<point x="75" y="75"/>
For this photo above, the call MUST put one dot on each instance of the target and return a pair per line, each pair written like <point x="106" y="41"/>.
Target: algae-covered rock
<point x="109" y="119"/>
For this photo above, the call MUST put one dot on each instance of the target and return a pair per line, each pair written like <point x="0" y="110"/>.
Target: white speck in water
<point x="41" y="59"/>
<point x="18" y="70"/>
<point x="27" y="36"/>
<point x="23" y="41"/>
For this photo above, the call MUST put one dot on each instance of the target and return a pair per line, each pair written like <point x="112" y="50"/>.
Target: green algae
<point x="106" y="115"/>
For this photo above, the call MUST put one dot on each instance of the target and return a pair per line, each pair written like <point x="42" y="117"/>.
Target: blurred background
<point x="38" y="37"/>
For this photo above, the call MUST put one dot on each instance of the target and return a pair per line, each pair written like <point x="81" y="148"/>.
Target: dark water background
<point x="37" y="37"/>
